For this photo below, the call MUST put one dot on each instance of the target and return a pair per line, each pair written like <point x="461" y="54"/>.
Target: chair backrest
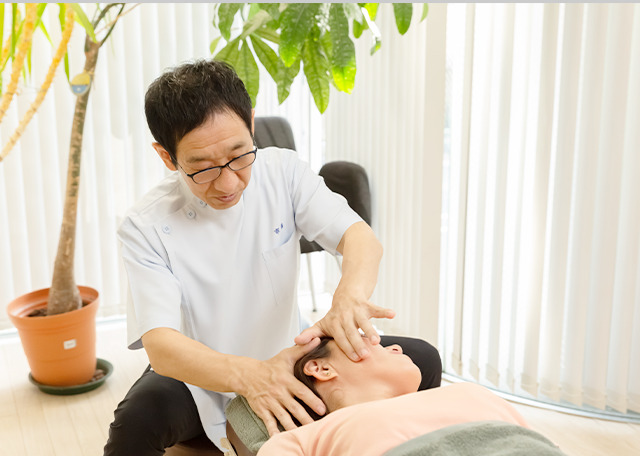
<point x="346" y="178"/>
<point x="273" y="131"/>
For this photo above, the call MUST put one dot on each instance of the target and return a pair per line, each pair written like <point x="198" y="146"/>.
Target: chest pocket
<point x="282" y="265"/>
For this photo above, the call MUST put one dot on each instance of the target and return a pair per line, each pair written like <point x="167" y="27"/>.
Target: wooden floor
<point x="36" y="424"/>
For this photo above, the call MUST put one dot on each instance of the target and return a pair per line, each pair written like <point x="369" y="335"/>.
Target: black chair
<point x="346" y="178"/>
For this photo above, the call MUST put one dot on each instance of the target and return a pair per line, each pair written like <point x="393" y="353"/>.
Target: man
<point x="212" y="252"/>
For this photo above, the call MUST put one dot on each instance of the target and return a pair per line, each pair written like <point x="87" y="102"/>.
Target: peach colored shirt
<point x="372" y="428"/>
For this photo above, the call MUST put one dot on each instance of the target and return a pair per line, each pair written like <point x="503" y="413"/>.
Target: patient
<point x="374" y="407"/>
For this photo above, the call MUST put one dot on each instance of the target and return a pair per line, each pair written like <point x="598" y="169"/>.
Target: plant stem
<point x="64" y="295"/>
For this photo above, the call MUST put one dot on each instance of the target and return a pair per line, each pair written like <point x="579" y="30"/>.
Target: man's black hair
<point x="185" y="97"/>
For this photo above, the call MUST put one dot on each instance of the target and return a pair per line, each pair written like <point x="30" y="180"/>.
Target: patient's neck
<point x="337" y="395"/>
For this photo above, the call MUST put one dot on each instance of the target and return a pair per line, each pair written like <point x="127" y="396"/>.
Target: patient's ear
<point x="320" y="370"/>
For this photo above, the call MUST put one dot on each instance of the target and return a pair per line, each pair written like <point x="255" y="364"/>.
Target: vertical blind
<point x="118" y="163"/>
<point x="540" y="267"/>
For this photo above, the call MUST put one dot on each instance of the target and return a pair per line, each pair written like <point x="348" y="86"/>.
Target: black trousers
<point x="159" y="412"/>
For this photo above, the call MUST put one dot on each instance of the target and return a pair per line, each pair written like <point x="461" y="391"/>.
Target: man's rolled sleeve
<point x="321" y="215"/>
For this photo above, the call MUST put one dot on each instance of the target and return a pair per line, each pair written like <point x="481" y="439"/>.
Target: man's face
<point x="219" y="140"/>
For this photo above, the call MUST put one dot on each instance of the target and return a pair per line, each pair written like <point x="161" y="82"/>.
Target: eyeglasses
<point x="210" y="174"/>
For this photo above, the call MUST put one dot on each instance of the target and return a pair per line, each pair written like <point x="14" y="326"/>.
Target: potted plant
<point x="57" y="324"/>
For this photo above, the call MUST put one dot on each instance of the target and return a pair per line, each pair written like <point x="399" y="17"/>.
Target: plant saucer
<point x="103" y="364"/>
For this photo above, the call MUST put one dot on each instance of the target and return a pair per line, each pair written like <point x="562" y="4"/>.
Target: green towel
<point x="247" y="425"/>
<point x="483" y="438"/>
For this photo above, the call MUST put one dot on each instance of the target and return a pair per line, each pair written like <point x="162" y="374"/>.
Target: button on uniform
<point x="166" y="229"/>
<point x="191" y="213"/>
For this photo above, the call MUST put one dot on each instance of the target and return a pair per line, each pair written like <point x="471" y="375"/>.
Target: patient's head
<point x="340" y="382"/>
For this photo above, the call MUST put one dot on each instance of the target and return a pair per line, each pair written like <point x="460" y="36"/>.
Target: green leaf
<point x="358" y="28"/>
<point x="272" y="8"/>
<point x="226" y="13"/>
<point x="425" y="12"/>
<point x="248" y="71"/>
<point x="61" y="14"/>
<point x="229" y="53"/>
<point x="403" y="12"/>
<point x="253" y="10"/>
<point x="353" y="12"/>
<point x="316" y="69"/>
<point x="214" y="44"/>
<point x="296" y="21"/>
<point x="66" y="66"/>
<point x="268" y="34"/>
<point x="267" y="56"/>
<point x="82" y="19"/>
<point x="256" y="22"/>
<point x="343" y="51"/>
<point x="327" y="45"/>
<point x="286" y="75"/>
<point x="14" y="35"/>
<point x="372" y="9"/>
<point x="375" y="32"/>
<point x="377" y="42"/>
<point x="39" y="23"/>
<point x="44" y="31"/>
<point x="61" y="17"/>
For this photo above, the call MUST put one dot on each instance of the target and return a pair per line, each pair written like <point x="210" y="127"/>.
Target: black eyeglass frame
<point x="220" y="168"/>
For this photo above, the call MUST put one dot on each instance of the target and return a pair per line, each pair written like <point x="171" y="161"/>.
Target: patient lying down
<point x="374" y="405"/>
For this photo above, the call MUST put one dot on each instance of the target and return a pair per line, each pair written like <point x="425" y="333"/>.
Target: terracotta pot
<point x="61" y="349"/>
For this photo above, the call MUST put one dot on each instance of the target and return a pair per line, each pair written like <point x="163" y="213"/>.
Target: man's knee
<point x="145" y="407"/>
<point x="149" y="418"/>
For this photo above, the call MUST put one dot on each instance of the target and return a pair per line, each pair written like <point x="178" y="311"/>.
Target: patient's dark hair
<point x="320" y="352"/>
<point x="185" y="97"/>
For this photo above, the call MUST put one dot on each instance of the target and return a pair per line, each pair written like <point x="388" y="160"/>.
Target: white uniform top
<point x="228" y="278"/>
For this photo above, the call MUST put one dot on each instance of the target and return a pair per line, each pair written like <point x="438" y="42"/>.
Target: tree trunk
<point x="64" y="295"/>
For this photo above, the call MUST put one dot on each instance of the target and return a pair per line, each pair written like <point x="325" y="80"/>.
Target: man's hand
<point x="347" y="314"/>
<point x="271" y="389"/>
<point x="351" y="309"/>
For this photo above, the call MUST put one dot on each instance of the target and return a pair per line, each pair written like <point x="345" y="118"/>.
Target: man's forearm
<point x="361" y="253"/>
<point x="175" y="355"/>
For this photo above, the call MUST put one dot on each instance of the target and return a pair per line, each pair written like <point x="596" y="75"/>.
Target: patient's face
<point x="386" y="365"/>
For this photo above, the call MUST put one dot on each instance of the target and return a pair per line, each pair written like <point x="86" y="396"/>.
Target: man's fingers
<point x="299" y="412"/>
<point x="298" y="351"/>
<point x="345" y="345"/>
<point x="381" y="312"/>
<point x="308" y="335"/>
<point x="308" y="397"/>
<point x="270" y="423"/>
<point x="304" y="349"/>
<point x="355" y="339"/>
<point x="369" y="331"/>
<point x="285" y="419"/>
